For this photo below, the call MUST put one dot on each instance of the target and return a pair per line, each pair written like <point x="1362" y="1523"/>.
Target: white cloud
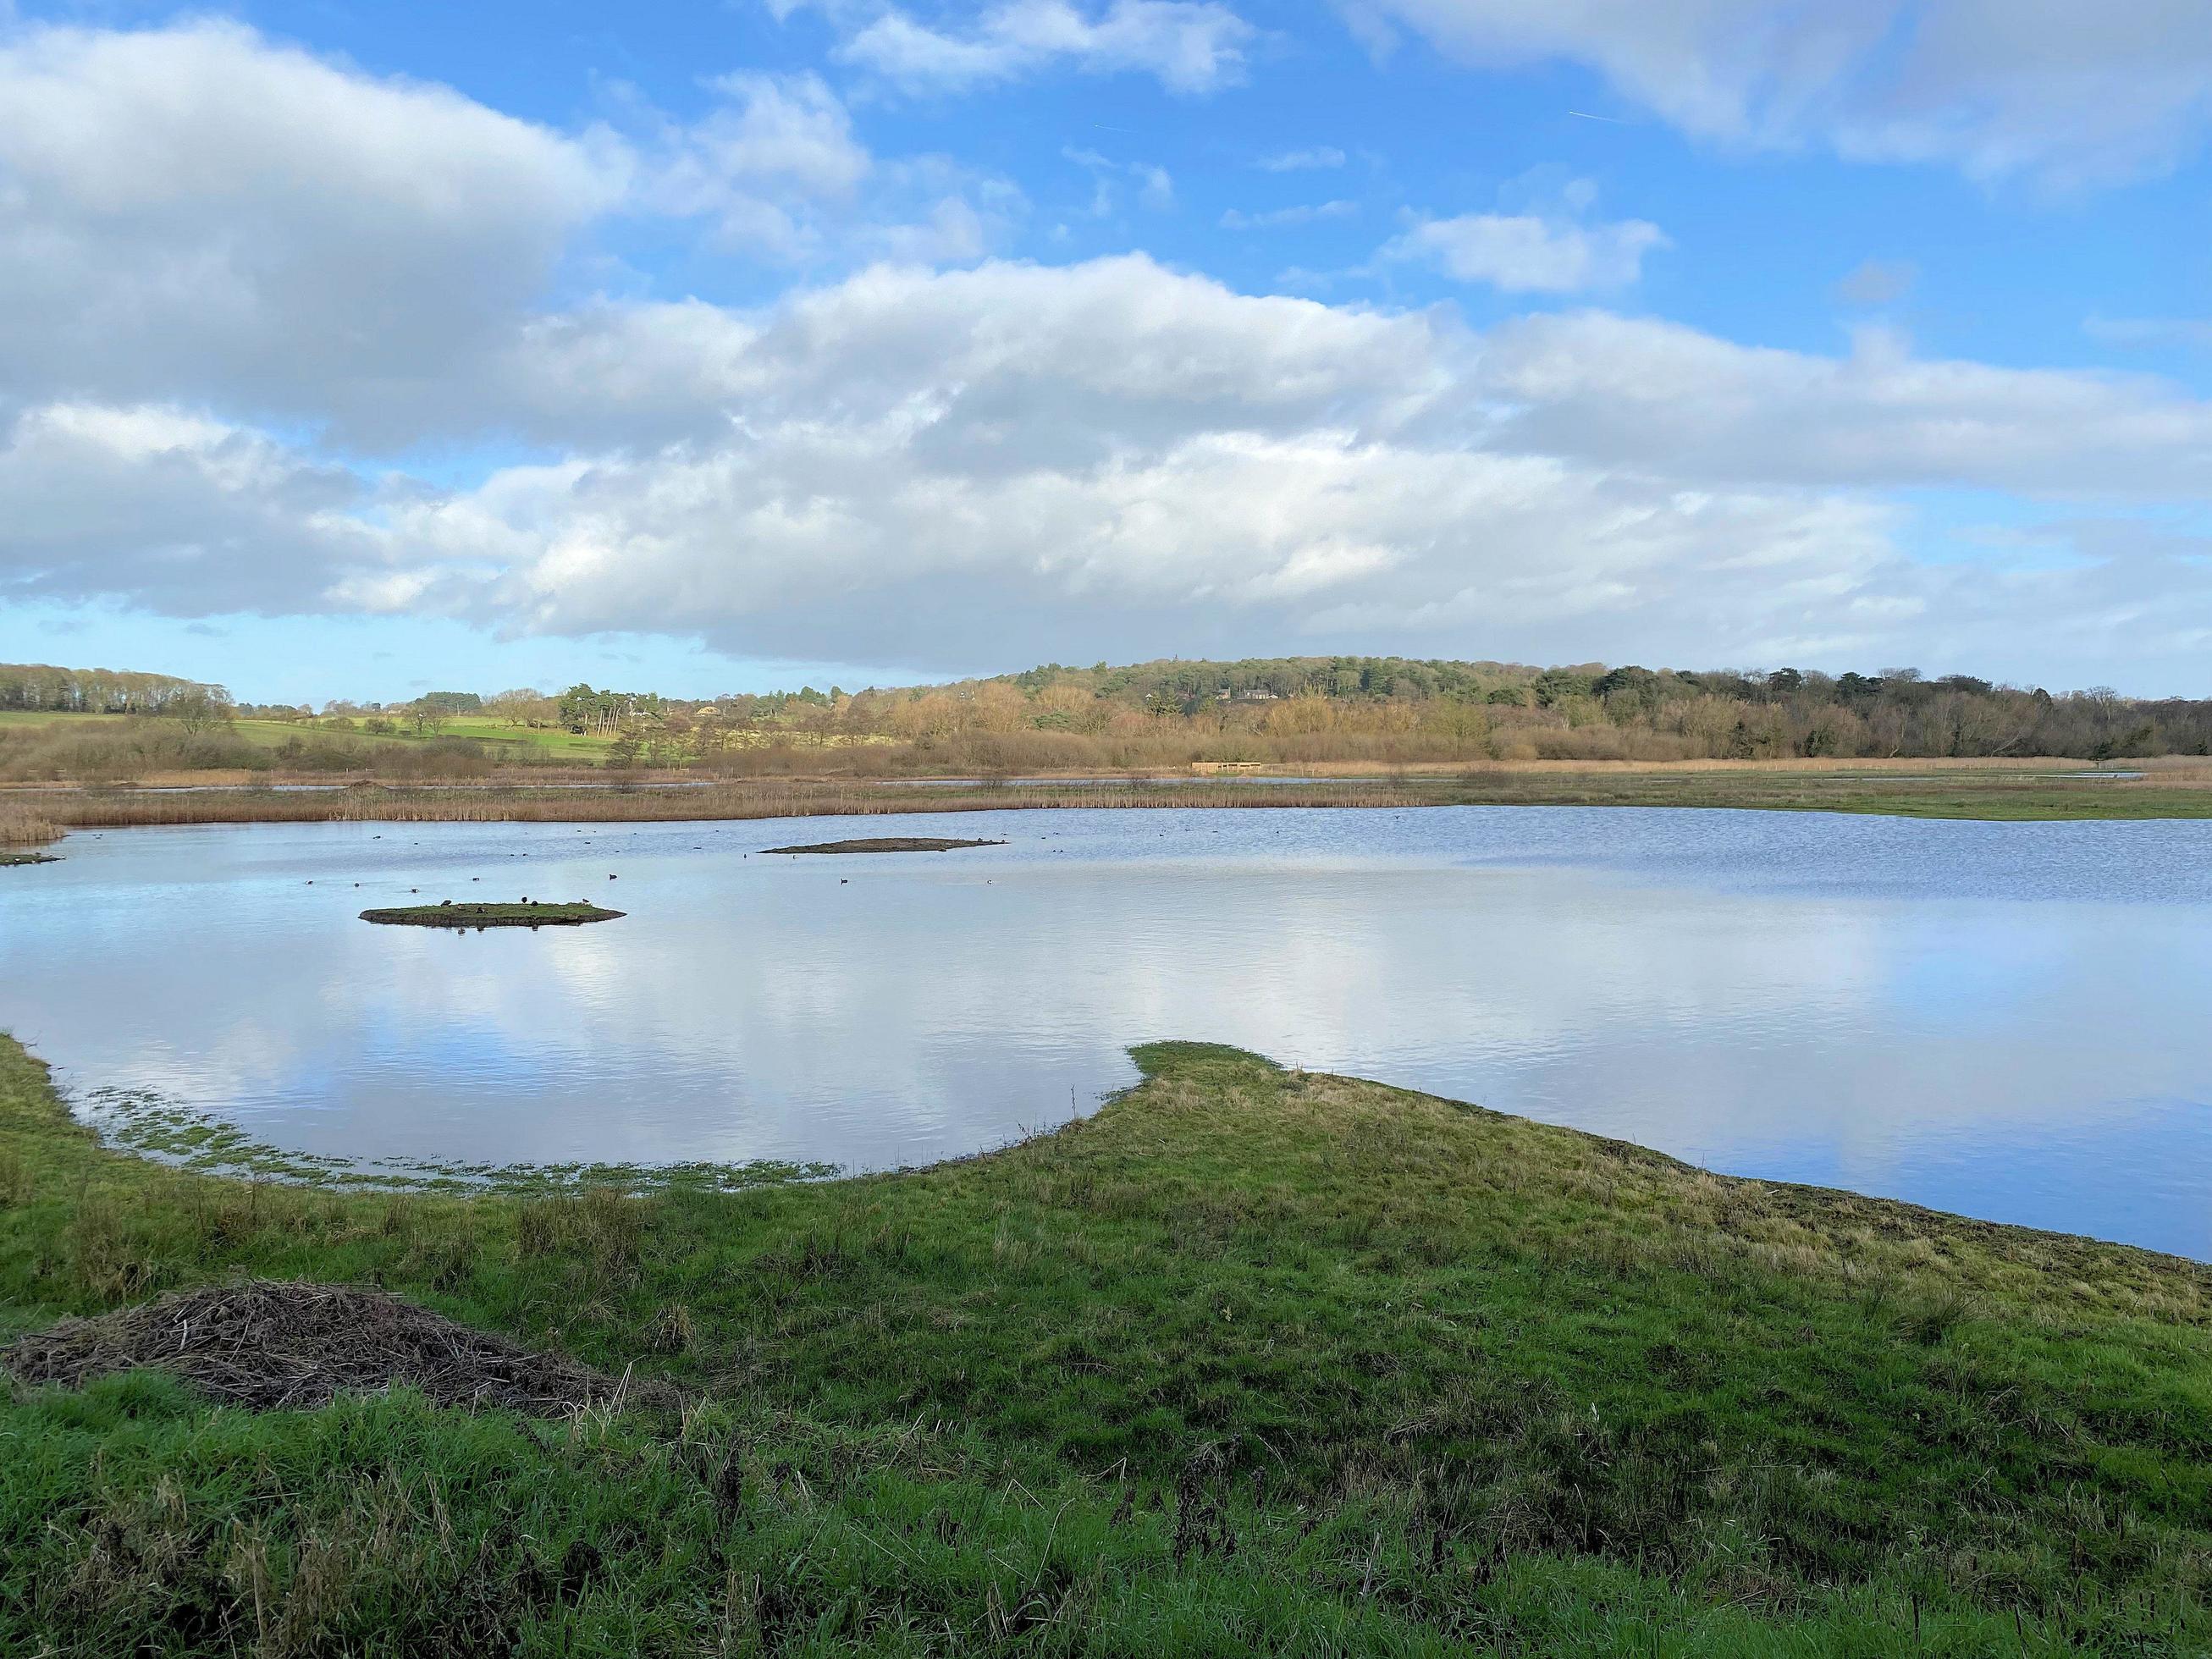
<point x="197" y="214"/>
<point x="219" y="256"/>
<point x="769" y="132"/>
<point x="1635" y="391"/>
<point x="174" y="512"/>
<point x="917" y="466"/>
<point x="1188" y="46"/>
<point x="1315" y="535"/>
<point x="1525" y="253"/>
<point x="192" y="208"/>
<point x="1301" y="213"/>
<point x="777" y="166"/>
<point x="1295" y="160"/>
<point x="2068" y="92"/>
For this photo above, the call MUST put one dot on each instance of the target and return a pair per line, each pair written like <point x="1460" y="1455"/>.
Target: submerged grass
<point x="1254" y="1360"/>
<point x="155" y="1127"/>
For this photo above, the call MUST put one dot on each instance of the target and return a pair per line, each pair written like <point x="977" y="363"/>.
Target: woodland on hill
<point x="1163" y="714"/>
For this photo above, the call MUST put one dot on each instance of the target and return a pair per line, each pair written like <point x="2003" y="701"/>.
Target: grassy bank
<point x="1253" y="1360"/>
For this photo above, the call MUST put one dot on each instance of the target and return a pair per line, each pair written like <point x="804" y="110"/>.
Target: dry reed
<point x="23" y="825"/>
<point x="117" y="808"/>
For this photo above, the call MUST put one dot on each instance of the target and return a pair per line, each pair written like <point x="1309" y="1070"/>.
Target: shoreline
<point x="204" y="1146"/>
<point x="31" y="816"/>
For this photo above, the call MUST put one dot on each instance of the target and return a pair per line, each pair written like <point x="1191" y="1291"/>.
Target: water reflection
<point x="1998" y="1018"/>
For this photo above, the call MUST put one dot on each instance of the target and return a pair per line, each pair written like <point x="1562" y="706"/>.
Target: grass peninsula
<point x="1254" y="1360"/>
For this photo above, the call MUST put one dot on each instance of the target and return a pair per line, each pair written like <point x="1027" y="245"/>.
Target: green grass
<point x="24" y="717"/>
<point x="1253" y="1360"/>
<point x="556" y="743"/>
<point x="2024" y="796"/>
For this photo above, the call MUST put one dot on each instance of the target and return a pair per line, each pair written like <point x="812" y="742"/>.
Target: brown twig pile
<point x="271" y="1345"/>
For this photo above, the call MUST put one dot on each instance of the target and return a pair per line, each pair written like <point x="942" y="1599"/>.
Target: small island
<point x="526" y="914"/>
<point x="8" y="857"/>
<point x="887" y="844"/>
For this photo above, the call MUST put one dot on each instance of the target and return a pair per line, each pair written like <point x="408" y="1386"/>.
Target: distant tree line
<point x="43" y="687"/>
<point x="1292" y="709"/>
<point x="1588" y="710"/>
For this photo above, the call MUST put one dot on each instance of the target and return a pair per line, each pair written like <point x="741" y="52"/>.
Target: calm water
<point x="2004" y="1019"/>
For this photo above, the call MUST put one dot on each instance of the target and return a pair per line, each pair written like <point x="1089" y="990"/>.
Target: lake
<point x="2004" y="1019"/>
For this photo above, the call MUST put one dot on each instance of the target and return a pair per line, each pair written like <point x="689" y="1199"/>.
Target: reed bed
<point x="1934" y="791"/>
<point x="23" y="825"/>
<point x="113" y="809"/>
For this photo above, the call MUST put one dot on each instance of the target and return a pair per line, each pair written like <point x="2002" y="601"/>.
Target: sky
<point x="353" y="350"/>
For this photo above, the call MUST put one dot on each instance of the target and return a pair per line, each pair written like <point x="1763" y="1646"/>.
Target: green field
<point x="1252" y="1361"/>
<point x="2021" y="796"/>
<point x="556" y="743"/>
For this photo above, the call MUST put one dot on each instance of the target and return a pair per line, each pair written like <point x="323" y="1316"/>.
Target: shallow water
<point x="2005" y="1019"/>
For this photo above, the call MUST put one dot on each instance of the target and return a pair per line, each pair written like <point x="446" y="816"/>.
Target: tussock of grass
<point x="1253" y="1359"/>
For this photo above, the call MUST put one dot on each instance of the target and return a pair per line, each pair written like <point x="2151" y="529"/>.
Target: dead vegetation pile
<point x="271" y="1345"/>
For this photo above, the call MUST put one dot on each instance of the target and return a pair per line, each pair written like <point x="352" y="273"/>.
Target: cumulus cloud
<point x="1315" y="536"/>
<point x="195" y="213"/>
<point x="194" y="207"/>
<point x="174" y="512"/>
<point x="1636" y="392"/>
<point x="917" y="466"/>
<point x="1531" y="253"/>
<point x="225" y="263"/>
<point x="772" y="148"/>
<point x="776" y="167"/>
<point x="1188" y="46"/>
<point x="2048" y="89"/>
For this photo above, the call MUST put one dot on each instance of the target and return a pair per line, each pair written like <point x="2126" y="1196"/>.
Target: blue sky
<point x="348" y="350"/>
